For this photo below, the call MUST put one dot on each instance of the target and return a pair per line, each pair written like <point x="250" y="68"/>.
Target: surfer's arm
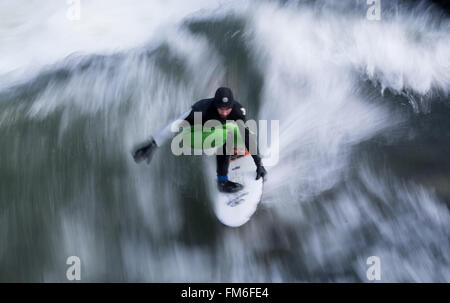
<point x="250" y="138"/>
<point x="166" y="133"/>
<point x="251" y="142"/>
<point x="146" y="150"/>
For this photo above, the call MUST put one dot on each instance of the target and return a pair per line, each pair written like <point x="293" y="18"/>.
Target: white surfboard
<point x="235" y="209"/>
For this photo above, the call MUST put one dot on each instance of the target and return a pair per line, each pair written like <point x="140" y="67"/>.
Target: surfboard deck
<point x="236" y="209"/>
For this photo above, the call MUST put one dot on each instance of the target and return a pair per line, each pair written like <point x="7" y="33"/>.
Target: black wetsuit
<point x="209" y="112"/>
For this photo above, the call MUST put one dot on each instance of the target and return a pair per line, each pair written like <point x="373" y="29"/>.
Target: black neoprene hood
<point x="223" y="97"/>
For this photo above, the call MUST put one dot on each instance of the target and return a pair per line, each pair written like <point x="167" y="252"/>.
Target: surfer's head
<point x="223" y="100"/>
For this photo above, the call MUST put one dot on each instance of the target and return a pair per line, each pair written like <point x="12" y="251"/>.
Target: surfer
<point x="222" y="107"/>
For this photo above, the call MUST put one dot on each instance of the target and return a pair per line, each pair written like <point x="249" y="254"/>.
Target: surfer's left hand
<point x="261" y="172"/>
<point x="145" y="151"/>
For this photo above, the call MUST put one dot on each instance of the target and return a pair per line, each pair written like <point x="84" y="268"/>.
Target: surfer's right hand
<point x="145" y="151"/>
<point x="261" y="172"/>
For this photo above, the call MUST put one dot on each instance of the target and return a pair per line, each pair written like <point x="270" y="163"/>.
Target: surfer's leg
<point x="225" y="185"/>
<point x="223" y="157"/>
<point x="223" y="162"/>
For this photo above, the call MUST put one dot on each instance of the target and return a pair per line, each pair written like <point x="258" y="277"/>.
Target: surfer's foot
<point x="226" y="186"/>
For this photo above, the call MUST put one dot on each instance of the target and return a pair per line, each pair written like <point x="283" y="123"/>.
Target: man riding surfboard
<point x="222" y="108"/>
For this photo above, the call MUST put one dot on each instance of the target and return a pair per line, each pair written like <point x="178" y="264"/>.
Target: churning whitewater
<point x="364" y="131"/>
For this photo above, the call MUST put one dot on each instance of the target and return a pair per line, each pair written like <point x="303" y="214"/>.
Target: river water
<point x="364" y="128"/>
